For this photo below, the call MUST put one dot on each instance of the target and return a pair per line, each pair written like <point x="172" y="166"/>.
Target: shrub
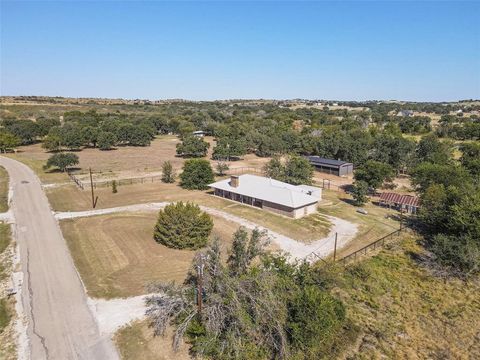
<point x="168" y="174"/>
<point x="222" y="168"/>
<point x="114" y="187"/>
<point x="183" y="226"/>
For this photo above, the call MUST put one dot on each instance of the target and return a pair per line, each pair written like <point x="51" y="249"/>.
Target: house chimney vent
<point x="234" y="181"/>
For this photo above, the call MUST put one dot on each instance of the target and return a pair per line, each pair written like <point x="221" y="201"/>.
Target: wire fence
<point x="245" y="170"/>
<point x="328" y="184"/>
<point x="370" y="247"/>
<point x="128" y="181"/>
<point x="120" y="182"/>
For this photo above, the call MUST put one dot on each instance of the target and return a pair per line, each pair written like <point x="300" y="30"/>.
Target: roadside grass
<point x="70" y="198"/>
<point x="404" y="312"/>
<point x="7" y="312"/>
<point x="117" y="256"/>
<point x="36" y="165"/>
<point x="5" y="237"/>
<point x="3" y="190"/>
<point x="136" y="341"/>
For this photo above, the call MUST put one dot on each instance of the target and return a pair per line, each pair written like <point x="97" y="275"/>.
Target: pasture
<point x="117" y="256"/>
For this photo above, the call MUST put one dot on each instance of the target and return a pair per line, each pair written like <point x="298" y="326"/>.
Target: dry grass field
<point x="116" y="255"/>
<point x="124" y="161"/>
<point x="404" y="312"/>
<point x="136" y="341"/>
<point x="70" y="198"/>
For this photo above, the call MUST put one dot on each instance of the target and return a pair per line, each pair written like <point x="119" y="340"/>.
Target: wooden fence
<point x="76" y="180"/>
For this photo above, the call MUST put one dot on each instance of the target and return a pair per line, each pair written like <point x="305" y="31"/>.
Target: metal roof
<point x="400" y="199"/>
<point x="317" y="160"/>
<point x="271" y="190"/>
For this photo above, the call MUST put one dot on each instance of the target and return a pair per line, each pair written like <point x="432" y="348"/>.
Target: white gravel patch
<point x="298" y="250"/>
<point x="7" y="217"/>
<point x="113" y="314"/>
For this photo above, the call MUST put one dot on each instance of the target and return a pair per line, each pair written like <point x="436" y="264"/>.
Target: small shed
<point x="331" y="166"/>
<point x="199" y="133"/>
<point x="408" y="203"/>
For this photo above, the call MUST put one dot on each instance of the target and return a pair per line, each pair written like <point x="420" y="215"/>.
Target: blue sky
<point x="423" y="51"/>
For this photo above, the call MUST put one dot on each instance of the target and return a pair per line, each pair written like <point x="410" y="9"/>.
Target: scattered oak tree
<point x="374" y="173"/>
<point x="106" y="140"/>
<point x="183" y="226"/>
<point x="192" y="146"/>
<point x="196" y="174"/>
<point x="359" y="192"/>
<point x="52" y="142"/>
<point x="62" y="160"/>
<point x="295" y="170"/>
<point x="8" y="141"/>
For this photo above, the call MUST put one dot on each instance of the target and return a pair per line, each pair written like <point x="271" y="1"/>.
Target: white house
<point x="269" y="194"/>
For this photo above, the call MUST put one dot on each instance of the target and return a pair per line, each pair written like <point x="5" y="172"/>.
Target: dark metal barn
<point x="331" y="166"/>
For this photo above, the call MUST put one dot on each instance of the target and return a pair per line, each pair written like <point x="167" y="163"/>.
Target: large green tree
<point x="62" y="160"/>
<point x="294" y="170"/>
<point x="196" y="174"/>
<point x="106" y="140"/>
<point x="8" y="141"/>
<point x="192" y="146"/>
<point x="374" y="173"/>
<point x="431" y="149"/>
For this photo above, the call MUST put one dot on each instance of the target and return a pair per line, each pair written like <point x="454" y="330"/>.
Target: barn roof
<point x="317" y="160"/>
<point x="400" y="199"/>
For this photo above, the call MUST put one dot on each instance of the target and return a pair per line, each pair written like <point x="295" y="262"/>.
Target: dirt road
<point x="60" y="324"/>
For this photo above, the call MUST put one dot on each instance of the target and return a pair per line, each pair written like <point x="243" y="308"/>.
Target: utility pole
<point x="200" y="285"/>
<point x="94" y="199"/>
<point x="335" y="248"/>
